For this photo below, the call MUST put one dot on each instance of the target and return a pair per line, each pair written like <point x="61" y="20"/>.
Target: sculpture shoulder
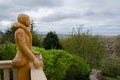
<point x="19" y="35"/>
<point x="19" y="31"/>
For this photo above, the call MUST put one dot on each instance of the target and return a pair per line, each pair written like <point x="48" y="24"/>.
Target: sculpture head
<point x="24" y="19"/>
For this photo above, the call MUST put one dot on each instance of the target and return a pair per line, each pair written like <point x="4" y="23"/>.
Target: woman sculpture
<point x="25" y="55"/>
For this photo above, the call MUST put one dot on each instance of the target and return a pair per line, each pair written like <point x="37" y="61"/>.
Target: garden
<point x="72" y="57"/>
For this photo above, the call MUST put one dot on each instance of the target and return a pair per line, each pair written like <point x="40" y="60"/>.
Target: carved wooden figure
<point x="25" y="54"/>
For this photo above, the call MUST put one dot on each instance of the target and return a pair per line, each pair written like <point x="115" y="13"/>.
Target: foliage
<point x="78" y="70"/>
<point x="117" y="45"/>
<point x="60" y="65"/>
<point x="0" y="55"/>
<point x="56" y="69"/>
<point x="51" y="41"/>
<point x="84" y="45"/>
<point x="112" y="78"/>
<point x="111" y="66"/>
<point x="8" y="51"/>
<point x="36" y="39"/>
<point x="8" y="36"/>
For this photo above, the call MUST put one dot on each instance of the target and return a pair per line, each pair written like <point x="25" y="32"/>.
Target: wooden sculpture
<point x="25" y="55"/>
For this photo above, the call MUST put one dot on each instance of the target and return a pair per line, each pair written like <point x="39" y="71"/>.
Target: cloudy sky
<point x="99" y="16"/>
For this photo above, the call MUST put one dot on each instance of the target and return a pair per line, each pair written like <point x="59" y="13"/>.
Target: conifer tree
<point x="51" y="41"/>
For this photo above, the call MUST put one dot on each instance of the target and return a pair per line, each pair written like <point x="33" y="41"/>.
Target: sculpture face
<point x="24" y="19"/>
<point x="27" y="22"/>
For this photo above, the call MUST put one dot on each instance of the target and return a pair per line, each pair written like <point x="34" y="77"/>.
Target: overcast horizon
<point x="61" y="16"/>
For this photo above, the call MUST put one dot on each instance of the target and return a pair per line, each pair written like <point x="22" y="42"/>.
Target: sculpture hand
<point x="37" y="63"/>
<point x="36" y="53"/>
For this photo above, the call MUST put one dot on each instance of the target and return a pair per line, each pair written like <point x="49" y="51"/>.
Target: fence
<point x="6" y="70"/>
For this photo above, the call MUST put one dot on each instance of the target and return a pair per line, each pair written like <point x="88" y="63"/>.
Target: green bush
<point x="60" y="65"/>
<point x="78" y="70"/>
<point x="110" y="66"/>
<point x="8" y="51"/>
<point x="56" y="63"/>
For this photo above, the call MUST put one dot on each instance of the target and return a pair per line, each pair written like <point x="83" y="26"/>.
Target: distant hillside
<point x="59" y="35"/>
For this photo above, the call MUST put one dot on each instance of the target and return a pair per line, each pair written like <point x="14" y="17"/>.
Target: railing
<point x="6" y="67"/>
<point x="37" y="74"/>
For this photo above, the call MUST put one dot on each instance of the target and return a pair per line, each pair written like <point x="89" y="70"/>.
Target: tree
<point x="84" y="45"/>
<point x="117" y="45"/>
<point x="36" y="38"/>
<point x="8" y="36"/>
<point x="110" y="66"/>
<point x="51" y="41"/>
<point x="32" y="26"/>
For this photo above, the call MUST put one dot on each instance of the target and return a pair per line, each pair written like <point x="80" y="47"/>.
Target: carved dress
<point x="23" y="40"/>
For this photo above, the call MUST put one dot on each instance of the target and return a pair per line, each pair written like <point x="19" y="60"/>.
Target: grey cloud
<point x="104" y="12"/>
<point x="107" y="29"/>
<point x="58" y="16"/>
<point x="33" y="3"/>
<point x="5" y="11"/>
<point x="91" y="11"/>
<point x="88" y="14"/>
<point x="40" y="3"/>
<point x="11" y="7"/>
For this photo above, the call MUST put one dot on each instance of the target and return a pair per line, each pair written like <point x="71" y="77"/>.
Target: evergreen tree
<point x="8" y="36"/>
<point x="51" y="41"/>
<point x="36" y="39"/>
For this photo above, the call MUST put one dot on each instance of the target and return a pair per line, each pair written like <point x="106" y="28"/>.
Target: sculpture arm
<point x="35" y="53"/>
<point x="20" y="40"/>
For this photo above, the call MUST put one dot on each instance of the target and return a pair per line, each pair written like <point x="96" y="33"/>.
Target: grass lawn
<point x="111" y="78"/>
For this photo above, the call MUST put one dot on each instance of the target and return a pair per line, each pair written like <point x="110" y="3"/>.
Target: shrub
<point x="111" y="66"/>
<point x="56" y="63"/>
<point x="8" y="51"/>
<point x="78" y="70"/>
<point x="60" y="65"/>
